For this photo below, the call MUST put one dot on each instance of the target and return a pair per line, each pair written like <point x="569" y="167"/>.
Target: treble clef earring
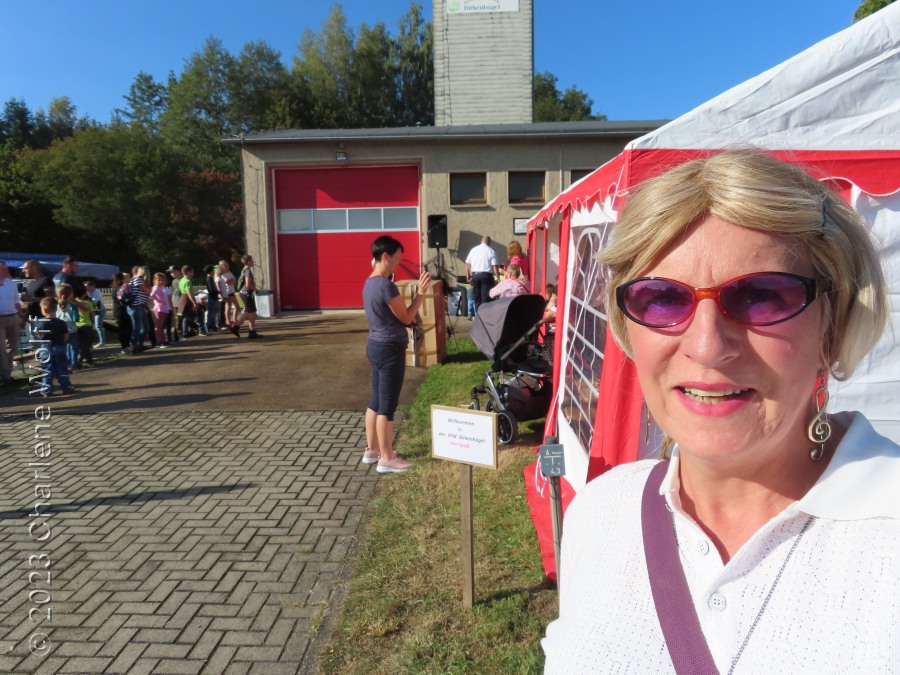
<point x="647" y="424"/>
<point x="819" y="430"/>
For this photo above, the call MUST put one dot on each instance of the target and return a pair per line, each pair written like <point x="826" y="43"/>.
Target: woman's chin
<point x="717" y="439"/>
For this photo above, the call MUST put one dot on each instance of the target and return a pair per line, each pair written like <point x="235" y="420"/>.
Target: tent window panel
<point x="468" y="188"/>
<point x="526" y="187"/>
<point x="586" y="328"/>
<point x="295" y="220"/>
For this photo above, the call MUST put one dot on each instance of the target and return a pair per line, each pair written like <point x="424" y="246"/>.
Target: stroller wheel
<point x="474" y="405"/>
<point x="507" y="427"/>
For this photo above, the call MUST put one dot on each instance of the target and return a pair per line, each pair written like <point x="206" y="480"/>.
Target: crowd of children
<point x="65" y="322"/>
<point x="164" y="312"/>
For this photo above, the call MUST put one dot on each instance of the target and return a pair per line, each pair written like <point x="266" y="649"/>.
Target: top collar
<point x="859" y="482"/>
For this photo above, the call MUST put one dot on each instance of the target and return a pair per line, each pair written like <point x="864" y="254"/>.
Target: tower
<point x="483" y="61"/>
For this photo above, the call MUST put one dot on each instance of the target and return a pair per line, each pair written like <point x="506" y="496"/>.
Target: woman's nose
<point x="710" y="338"/>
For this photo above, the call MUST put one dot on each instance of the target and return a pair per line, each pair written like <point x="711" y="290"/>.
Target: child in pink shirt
<point x="161" y="295"/>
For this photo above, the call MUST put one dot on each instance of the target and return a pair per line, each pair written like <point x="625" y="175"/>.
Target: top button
<point x="702" y="547"/>
<point x="717" y="602"/>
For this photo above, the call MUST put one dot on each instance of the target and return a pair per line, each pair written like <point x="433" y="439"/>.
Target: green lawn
<point x="403" y="612"/>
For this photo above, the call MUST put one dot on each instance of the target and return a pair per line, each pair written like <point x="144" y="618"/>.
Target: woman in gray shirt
<point x="388" y="317"/>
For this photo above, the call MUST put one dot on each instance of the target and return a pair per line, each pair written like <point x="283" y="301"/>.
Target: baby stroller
<point x="518" y="385"/>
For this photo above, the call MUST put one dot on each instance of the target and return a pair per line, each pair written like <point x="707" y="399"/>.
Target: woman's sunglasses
<point x="759" y="299"/>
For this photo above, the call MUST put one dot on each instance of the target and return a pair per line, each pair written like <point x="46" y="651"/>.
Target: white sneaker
<point x="395" y="465"/>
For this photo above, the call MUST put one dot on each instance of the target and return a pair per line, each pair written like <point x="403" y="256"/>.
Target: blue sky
<point x="649" y="59"/>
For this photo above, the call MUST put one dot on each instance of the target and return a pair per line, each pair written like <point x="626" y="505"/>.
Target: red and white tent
<point x="835" y="110"/>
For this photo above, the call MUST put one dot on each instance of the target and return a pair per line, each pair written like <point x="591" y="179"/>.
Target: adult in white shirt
<point x="10" y="322"/>
<point x="481" y="270"/>
<point x="738" y="285"/>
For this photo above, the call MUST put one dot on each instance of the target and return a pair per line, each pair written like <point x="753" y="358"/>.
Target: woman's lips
<point x="710" y="395"/>
<point x="713" y="400"/>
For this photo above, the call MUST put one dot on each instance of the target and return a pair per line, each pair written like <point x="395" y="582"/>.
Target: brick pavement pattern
<point x="179" y="541"/>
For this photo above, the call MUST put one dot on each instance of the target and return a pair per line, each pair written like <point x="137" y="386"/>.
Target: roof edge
<point x="481" y="131"/>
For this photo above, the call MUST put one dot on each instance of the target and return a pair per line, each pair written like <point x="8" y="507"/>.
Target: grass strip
<point x="403" y="612"/>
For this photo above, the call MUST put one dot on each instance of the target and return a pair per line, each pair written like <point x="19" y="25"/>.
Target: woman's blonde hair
<point x="142" y="271"/>
<point x="753" y="190"/>
<point x="514" y="270"/>
<point x="514" y="250"/>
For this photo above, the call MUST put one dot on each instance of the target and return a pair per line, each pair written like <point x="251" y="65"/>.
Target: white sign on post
<point x="466" y="436"/>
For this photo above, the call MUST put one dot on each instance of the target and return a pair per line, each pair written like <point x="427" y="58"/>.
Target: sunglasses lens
<point x="764" y="298"/>
<point x="657" y="302"/>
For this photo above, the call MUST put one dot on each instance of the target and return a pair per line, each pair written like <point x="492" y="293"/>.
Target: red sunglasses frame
<point x="714" y="293"/>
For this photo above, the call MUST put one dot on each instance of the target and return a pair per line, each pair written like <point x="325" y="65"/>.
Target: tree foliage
<point x="551" y="105"/>
<point x="156" y="185"/>
<point x="147" y="99"/>
<point x="869" y="7"/>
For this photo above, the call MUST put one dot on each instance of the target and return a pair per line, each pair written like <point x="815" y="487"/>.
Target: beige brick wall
<point x="483" y="66"/>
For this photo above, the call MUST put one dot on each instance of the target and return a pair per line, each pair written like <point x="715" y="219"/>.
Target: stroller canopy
<point x="503" y="321"/>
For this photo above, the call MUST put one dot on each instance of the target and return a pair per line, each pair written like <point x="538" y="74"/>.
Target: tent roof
<point x="840" y="94"/>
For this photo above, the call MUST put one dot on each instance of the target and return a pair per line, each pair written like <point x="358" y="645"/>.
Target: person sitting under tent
<point x="511" y="285"/>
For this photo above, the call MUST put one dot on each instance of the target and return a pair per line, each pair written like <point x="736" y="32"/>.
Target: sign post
<point x="553" y="466"/>
<point x="470" y="438"/>
<point x="467" y="514"/>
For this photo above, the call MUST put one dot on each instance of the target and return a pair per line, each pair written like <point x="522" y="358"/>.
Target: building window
<point x="526" y="187"/>
<point x="468" y="188"/>
<point x="295" y="220"/>
<point x="371" y="219"/>
<point x="578" y="174"/>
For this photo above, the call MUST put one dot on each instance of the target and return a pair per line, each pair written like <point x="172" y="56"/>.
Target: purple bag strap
<point x="674" y="606"/>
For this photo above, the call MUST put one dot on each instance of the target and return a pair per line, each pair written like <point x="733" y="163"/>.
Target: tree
<point x="112" y="184"/>
<point x="372" y="83"/>
<point x="17" y="124"/>
<point x="346" y="80"/>
<point x="323" y="67"/>
<point x="59" y="122"/>
<point x="147" y="100"/>
<point x="200" y="107"/>
<point x="550" y="105"/>
<point x="26" y="217"/>
<point x="869" y="7"/>
<point x="257" y="81"/>
<point x="415" y="70"/>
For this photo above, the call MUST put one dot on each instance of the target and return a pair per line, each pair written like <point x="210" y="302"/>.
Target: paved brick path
<point x="179" y="541"/>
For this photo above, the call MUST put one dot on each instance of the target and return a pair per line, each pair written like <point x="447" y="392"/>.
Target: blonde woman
<point x="768" y="538"/>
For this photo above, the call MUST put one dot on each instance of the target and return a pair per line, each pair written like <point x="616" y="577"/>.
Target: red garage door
<point x="326" y="220"/>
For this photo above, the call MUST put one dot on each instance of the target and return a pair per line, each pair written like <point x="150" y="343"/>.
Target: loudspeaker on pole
<point x="437" y="231"/>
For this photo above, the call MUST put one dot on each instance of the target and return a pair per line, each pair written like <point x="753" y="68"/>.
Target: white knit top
<point x="836" y="608"/>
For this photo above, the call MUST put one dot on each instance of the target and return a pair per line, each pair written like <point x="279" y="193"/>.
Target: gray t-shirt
<point x="383" y="325"/>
